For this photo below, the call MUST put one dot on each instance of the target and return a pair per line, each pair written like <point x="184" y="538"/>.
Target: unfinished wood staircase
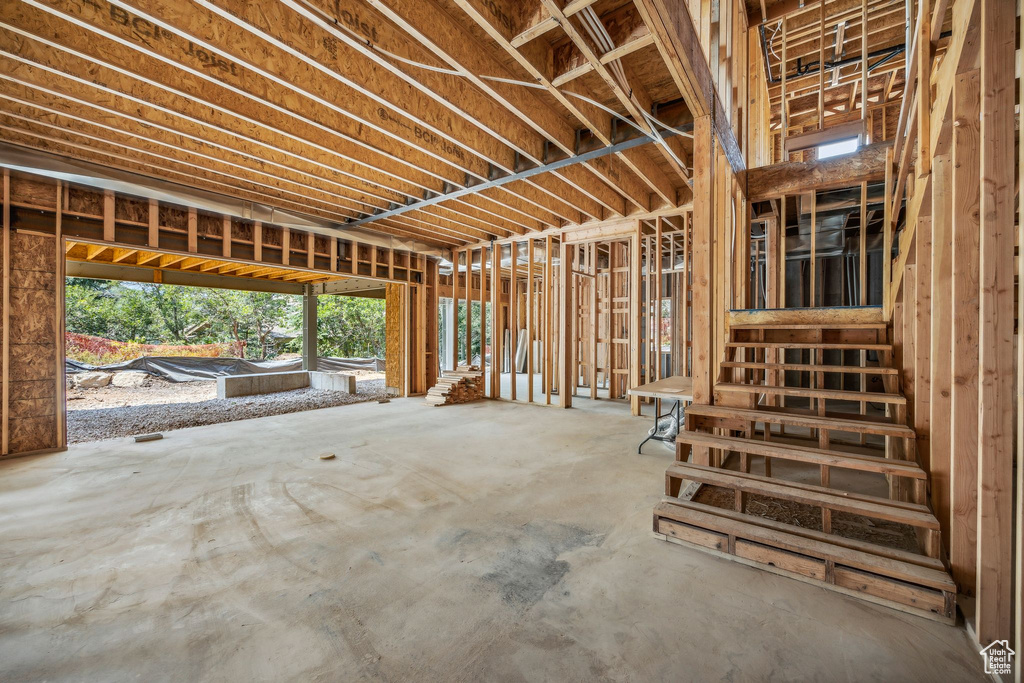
<point x="805" y="465"/>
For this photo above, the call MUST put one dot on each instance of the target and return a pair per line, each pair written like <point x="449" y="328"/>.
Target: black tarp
<point x="186" y="369"/>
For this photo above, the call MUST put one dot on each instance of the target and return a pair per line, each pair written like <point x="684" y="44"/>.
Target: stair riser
<point x="880" y="589"/>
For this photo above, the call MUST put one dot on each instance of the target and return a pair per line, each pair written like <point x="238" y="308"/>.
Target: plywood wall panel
<point x="34" y="356"/>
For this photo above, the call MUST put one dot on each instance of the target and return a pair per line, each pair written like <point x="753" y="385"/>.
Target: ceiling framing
<point x="368" y="111"/>
<point x="843" y="30"/>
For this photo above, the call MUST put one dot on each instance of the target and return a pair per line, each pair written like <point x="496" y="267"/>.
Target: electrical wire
<point x="332" y="24"/>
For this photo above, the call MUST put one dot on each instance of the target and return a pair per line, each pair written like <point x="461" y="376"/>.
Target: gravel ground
<point x="161" y="406"/>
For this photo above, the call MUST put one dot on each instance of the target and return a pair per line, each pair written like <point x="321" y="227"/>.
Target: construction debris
<point x="462" y="385"/>
<point x="148" y="437"/>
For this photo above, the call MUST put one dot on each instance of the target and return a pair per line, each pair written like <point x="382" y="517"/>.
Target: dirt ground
<point x="157" y="405"/>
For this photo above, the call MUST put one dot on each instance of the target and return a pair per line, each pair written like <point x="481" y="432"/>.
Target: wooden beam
<point x="154" y="224"/>
<point x="108" y="215"/>
<point x="704" y="277"/>
<point x="192" y="231"/>
<point x="995" y="340"/>
<point x="680" y="47"/>
<point x="5" y="319"/>
<point x="566" y="356"/>
<point x="940" y="353"/>
<point x="797" y="177"/>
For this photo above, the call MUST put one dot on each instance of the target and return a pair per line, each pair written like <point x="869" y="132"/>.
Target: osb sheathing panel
<point x="209" y="226"/>
<point x="394" y="337"/>
<point x="27" y="191"/>
<point x="173" y="217"/>
<point x="32" y="388"/>
<point x="84" y="201"/>
<point x="128" y="209"/>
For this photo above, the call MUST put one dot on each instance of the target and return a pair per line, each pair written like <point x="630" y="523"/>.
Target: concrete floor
<point x="486" y="541"/>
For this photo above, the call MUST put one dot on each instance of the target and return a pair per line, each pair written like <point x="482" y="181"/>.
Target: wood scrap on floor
<point x="462" y="385"/>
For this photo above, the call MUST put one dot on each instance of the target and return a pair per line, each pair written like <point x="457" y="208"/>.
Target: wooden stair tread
<point x="806" y="392"/>
<point x="806" y="454"/>
<point x="900" y="564"/>
<point x="804" y="420"/>
<point x="840" y="501"/>
<point x="849" y="495"/>
<point x="809" y="345"/>
<point x="806" y="367"/>
<point x="807" y="326"/>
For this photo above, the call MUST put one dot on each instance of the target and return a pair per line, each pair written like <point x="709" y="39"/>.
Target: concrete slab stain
<point x="531" y="566"/>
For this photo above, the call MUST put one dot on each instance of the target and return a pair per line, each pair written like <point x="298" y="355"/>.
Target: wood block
<point x="891" y="589"/>
<point x="792" y="562"/>
<point x="692" y="534"/>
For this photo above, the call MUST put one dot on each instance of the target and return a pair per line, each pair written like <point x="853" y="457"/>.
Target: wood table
<point x="676" y="389"/>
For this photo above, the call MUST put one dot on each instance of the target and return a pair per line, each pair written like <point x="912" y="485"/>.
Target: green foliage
<point x="475" y="340"/>
<point x="350" y="327"/>
<point x="250" y="321"/>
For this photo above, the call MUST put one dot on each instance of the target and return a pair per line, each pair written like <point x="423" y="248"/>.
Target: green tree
<point x="248" y="317"/>
<point x="350" y="326"/>
<point x="178" y="312"/>
<point x="89" y="309"/>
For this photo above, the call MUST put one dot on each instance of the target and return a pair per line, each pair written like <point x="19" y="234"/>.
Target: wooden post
<point x="455" y="305"/>
<point x="548" y="301"/>
<point x="529" y="320"/>
<point x="225" y="238"/>
<point x="862" y="248"/>
<point x="593" y="321"/>
<point x="658" y="227"/>
<point x="887" y="239"/>
<point x="821" y="76"/>
<point x="636" y="278"/>
<point x="686" y="307"/>
<point x="782" y="251"/>
<point x="60" y="260"/>
<point x="193" y="227"/>
<point x="5" y="322"/>
<point x="153" y="239"/>
<point x="513" y="315"/>
<point x="782" y="101"/>
<point x="924" y="89"/>
<point x="108" y="219"/>
<point x="995" y="339"/>
<point x="468" y="341"/>
<point x="864" y="72"/>
<point x="565" y="339"/>
<point x="496" y="332"/>
<point x="940" y="354"/>
<point x="482" y="300"/>
<point x="814" y="245"/>
<point x="703" y="271"/>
